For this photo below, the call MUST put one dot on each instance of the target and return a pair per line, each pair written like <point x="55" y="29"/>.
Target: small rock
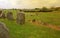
<point x="33" y="20"/>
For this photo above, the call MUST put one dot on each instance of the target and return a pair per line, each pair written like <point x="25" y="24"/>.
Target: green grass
<point x="29" y="30"/>
<point x="51" y="18"/>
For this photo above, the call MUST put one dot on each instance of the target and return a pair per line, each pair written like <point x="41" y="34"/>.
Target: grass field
<point x="29" y="30"/>
<point x="52" y="18"/>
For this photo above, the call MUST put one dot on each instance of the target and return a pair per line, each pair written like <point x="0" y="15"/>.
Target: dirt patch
<point x="39" y="23"/>
<point x="54" y="27"/>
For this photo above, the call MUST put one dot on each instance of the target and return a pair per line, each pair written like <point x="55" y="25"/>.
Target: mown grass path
<point x="38" y="23"/>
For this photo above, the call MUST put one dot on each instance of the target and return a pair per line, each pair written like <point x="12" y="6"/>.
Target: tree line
<point x="43" y="9"/>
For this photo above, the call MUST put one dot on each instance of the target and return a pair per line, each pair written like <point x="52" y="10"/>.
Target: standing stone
<point x="3" y="15"/>
<point x="20" y="18"/>
<point x="0" y="14"/>
<point x="4" y="33"/>
<point x="10" y="16"/>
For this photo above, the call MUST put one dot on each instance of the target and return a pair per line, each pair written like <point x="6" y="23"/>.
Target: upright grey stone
<point x="0" y="11"/>
<point x="20" y="18"/>
<point x="10" y="16"/>
<point x="0" y="14"/>
<point x="3" y="15"/>
<point x="4" y="33"/>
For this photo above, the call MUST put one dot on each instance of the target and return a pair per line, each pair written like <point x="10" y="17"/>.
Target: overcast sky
<point x="28" y="3"/>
